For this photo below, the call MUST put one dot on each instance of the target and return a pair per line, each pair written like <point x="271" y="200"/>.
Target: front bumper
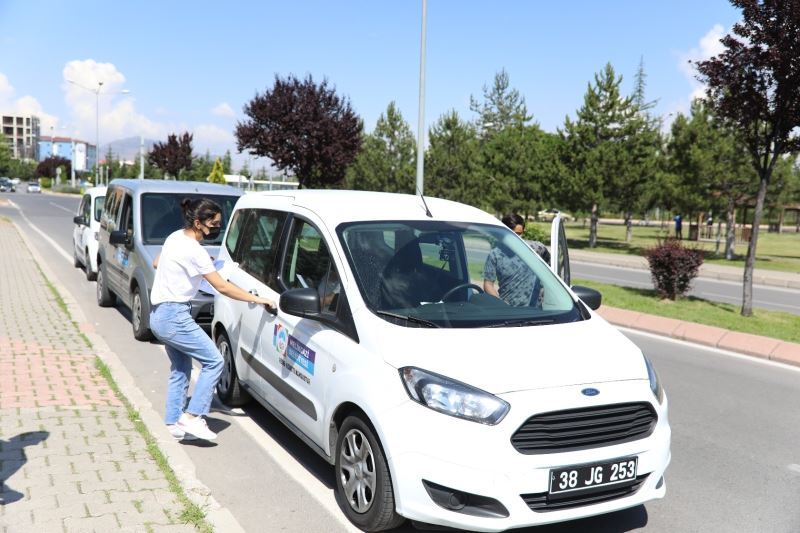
<point x="480" y="460"/>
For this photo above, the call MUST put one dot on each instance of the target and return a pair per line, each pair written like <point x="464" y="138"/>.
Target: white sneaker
<point x="196" y="426"/>
<point x="179" y="434"/>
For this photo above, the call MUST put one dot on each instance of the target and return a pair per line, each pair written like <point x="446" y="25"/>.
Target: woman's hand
<point x="266" y="302"/>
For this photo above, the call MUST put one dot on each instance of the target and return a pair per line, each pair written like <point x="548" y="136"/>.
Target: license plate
<point x="592" y="475"/>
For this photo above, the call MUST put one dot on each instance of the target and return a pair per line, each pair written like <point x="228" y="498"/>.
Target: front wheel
<point x="75" y="261"/>
<point x="229" y="389"/>
<point x="105" y="298"/>
<point x="363" y="483"/>
<point x="91" y="275"/>
<point x="140" y="316"/>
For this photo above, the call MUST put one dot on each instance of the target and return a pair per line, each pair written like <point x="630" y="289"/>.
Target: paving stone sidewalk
<point x="70" y="458"/>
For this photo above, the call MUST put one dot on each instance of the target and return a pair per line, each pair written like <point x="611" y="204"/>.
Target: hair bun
<point x="185" y="203"/>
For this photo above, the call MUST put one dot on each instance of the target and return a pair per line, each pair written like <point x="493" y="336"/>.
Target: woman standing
<point x="180" y="268"/>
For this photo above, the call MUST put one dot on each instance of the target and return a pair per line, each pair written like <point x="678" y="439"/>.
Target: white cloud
<point x="708" y="47"/>
<point x="25" y="105"/>
<point x="223" y="110"/>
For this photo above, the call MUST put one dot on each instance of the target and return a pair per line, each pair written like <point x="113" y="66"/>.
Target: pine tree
<point x="452" y="162"/>
<point x="501" y="106"/>
<point x="217" y="175"/>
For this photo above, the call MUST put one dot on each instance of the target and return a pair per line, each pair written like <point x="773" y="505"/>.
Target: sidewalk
<point x="775" y="278"/>
<point x="70" y="458"/>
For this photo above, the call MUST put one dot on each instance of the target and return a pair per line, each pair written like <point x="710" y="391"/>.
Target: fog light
<point x="464" y="502"/>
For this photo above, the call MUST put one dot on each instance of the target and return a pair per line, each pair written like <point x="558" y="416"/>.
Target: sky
<point x="193" y="65"/>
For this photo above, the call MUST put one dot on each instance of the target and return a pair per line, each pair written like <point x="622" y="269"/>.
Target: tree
<point x="227" y="163"/>
<point x="453" y="161"/>
<point x="596" y="149"/>
<point x="387" y="161"/>
<point x="5" y="156"/>
<point x="217" y="174"/>
<point x="305" y="128"/>
<point x="753" y="84"/>
<point x="174" y="155"/>
<point x="47" y="168"/>
<point x="501" y="106"/>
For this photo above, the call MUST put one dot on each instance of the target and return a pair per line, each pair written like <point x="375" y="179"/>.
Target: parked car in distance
<point x="86" y="233"/>
<point x="434" y="400"/>
<point x="138" y="215"/>
<point x="34" y="187"/>
<point x="6" y="185"/>
<point x="547" y="215"/>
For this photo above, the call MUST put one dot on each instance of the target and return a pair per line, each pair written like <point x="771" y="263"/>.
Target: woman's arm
<point x="232" y="291"/>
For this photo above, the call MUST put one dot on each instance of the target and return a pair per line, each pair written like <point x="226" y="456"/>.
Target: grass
<point x="192" y="513"/>
<point x="775" y="251"/>
<point x="784" y="326"/>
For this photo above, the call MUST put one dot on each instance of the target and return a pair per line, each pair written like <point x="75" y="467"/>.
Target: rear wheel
<point x="363" y="483"/>
<point x="140" y="316"/>
<point x="90" y="274"/>
<point x="105" y="298"/>
<point x="229" y="389"/>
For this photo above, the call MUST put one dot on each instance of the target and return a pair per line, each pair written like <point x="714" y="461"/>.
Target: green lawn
<point x="774" y="324"/>
<point x="775" y="251"/>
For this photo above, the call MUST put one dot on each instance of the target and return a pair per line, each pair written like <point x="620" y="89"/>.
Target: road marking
<point x="44" y="235"/>
<point x="794" y="468"/>
<point x="61" y="207"/>
<point x="720" y="351"/>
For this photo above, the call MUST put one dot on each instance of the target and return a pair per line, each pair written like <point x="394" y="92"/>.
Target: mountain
<point x="127" y="149"/>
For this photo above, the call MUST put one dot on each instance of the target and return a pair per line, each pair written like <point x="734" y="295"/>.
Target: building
<point x="248" y="184"/>
<point x="81" y="154"/>
<point x="22" y="134"/>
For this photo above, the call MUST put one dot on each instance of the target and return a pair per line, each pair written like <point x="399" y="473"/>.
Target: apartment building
<point x="22" y="135"/>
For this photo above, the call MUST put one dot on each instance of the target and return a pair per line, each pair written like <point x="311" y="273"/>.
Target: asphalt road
<point x="764" y="296"/>
<point x="735" y="423"/>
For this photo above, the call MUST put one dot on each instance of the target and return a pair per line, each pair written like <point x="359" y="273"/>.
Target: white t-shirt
<point x="181" y="268"/>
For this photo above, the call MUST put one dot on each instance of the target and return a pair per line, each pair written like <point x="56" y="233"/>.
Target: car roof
<point x="100" y="190"/>
<point x="338" y="206"/>
<point x="148" y="185"/>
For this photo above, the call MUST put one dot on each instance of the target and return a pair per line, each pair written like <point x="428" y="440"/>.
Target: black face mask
<point x="212" y="234"/>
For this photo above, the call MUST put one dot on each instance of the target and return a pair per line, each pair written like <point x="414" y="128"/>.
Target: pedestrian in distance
<point x="180" y="268"/>
<point x="678" y="227"/>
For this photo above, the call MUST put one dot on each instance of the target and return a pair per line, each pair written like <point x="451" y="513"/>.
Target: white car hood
<point x="501" y="360"/>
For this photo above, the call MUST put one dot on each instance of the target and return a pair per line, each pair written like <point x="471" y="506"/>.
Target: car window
<point x="98" y="207"/>
<point x="259" y="247"/>
<point x="233" y="232"/>
<point x="308" y="264"/>
<point x="112" y="207"/>
<point x="161" y="215"/>
<point x="453" y="274"/>
<point x="126" y="220"/>
<point x="82" y="209"/>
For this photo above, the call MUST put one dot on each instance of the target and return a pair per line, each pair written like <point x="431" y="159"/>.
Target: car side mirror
<point x="118" y="237"/>
<point x="303" y="302"/>
<point x="79" y="220"/>
<point x="592" y="298"/>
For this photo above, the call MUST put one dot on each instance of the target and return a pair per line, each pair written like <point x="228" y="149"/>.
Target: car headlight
<point x="655" y="383"/>
<point x="452" y="397"/>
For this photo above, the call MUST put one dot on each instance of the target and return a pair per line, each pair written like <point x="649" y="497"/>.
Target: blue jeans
<point x="172" y="324"/>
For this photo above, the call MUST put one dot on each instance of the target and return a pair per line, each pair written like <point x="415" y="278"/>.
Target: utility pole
<point x="421" y="116"/>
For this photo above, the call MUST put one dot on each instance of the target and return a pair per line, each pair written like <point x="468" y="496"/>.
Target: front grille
<point x="588" y="427"/>
<point x="543" y="502"/>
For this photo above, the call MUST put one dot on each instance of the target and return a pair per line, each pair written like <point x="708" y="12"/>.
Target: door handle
<point x="254" y="292"/>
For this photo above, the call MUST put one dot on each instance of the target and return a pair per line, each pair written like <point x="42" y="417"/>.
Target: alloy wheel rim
<point x="137" y="311"/>
<point x="225" y="379"/>
<point x="358" y="476"/>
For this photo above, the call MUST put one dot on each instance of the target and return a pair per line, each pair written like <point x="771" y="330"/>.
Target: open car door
<point x="559" y="253"/>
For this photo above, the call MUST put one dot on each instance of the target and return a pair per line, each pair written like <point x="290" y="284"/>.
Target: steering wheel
<point x="459" y="287"/>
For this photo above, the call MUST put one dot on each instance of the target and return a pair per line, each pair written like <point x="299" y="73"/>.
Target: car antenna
<point x="427" y="211"/>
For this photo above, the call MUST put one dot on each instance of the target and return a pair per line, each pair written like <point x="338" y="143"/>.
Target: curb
<point x="220" y="518"/>
<point x="733" y="341"/>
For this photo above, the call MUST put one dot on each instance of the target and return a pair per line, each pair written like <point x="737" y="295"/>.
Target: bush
<point x="45" y="183"/>
<point x="673" y="267"/>
<point x="534" y="233"/>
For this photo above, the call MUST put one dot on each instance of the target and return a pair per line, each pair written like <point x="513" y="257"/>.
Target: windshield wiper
<point x="409" y="318"/>
<point x="520" y="323"/>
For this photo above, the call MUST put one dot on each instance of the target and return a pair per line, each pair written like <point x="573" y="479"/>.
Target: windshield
<point x="453" y="275"/>
<point x="161" y="215"/>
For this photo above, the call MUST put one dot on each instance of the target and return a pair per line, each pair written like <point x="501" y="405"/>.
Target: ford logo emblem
<point x="590" y="392"/>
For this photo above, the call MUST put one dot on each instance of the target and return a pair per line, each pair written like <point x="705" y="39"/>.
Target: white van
<point x="434" y="400"/>
<point x="85" y="232"/>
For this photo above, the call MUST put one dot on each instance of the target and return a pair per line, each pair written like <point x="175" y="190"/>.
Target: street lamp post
<point x="97" y="117"/>
<point x="421" y="116"/>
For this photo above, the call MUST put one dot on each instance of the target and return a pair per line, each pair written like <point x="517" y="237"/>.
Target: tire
<point x="229" y="389"/>
<point x="90" y="275"/>
<point x="140" y="316"/>
<point x="105" y="298"/>
<point x="359" y="457"/>
<point x="75" y="261"/>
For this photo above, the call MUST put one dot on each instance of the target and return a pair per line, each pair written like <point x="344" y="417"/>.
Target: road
<point x="766" y="297"/>
<point x="735" y="423"/>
